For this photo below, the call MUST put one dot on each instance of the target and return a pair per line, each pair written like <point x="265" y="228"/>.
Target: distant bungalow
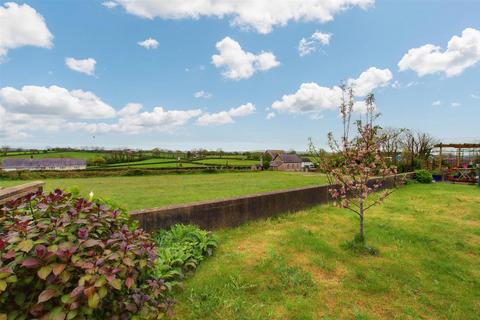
<point x="286" y="162"/>
<point x="16" y="164"/>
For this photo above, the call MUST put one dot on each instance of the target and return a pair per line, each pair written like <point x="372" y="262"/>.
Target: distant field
<point x="153" y="191"/>
<point x="230" y="162"/>
<point x="151" y="163"/>
<point x="172" y="163"/>
<point x="70" y="154"/>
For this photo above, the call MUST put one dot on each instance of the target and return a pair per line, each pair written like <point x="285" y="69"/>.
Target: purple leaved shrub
<point x="63" y="257"/>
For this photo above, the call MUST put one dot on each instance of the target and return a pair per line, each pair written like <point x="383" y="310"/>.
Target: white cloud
<point x="22" y="25"/>
<point x="462" y="52"/>
<point x="474" y="96"/>
<point x="436" y="103"/>
<point x="149" y="43"/>
<point x="309" y="98"/>
<point x="54" y="100"/>
<point x="271" y="115"/>
<point x="312" y="98"/>
<point x="239" y="64"/>
<point x="54" y="108"/>
<point x="202" y="94"/>
<point x="456" y="104"/>
<point x="109" y="4"/>
<point x="86" y="66"/>
<point x="310" y="45"/>
<point x="132" y="121"/>
<point x="260" y="15"/>
<point x="224" y="117"/>
<point x="15" y="126"/>
<point x="369" y="80"/>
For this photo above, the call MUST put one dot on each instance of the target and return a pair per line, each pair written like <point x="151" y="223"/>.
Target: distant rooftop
<point x="289" y="158"/>
<point x="41" y="163"/>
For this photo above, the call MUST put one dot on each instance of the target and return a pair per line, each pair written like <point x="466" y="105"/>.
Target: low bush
<point x="180" y="250"/>
<point x="64" y="257"/>
<point x="423" y="176"/>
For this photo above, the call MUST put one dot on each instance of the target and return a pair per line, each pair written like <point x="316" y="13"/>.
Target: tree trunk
<point x="362" y="234"/>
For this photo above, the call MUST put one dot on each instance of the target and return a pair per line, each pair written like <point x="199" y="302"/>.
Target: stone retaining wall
<point x="218" y="214"/>
<point x="7" y="194"/>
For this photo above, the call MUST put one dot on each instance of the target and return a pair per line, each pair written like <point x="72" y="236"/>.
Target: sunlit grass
<point x="139" y="192"/>
<point x="293" y="267"/>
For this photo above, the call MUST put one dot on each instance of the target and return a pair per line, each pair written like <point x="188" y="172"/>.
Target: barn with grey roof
<point x="62" y="164"/>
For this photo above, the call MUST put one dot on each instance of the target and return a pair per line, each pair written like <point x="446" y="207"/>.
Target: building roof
<point x="274" y="153"/>
<point x="288" y="158"/>
<point x="41" y="163"/>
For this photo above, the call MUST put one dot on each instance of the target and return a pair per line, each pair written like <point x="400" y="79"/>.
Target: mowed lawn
<point x="153" y="191"/>
<point x="294" y="266"/>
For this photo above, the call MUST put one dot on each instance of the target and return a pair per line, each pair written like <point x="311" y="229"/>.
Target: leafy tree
<point x="267" y="158"/>
<point x="358" y="170"/>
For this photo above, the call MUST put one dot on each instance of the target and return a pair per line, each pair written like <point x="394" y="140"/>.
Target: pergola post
<point x="440" y="160"/>
<point x="458" y="157"/>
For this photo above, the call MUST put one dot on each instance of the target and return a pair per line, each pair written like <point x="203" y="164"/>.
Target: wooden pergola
<point x="462" y="171"/>
<point x="473" y="148"/>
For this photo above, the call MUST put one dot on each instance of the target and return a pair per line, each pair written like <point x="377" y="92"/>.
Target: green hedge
<point x="423" y="176"/>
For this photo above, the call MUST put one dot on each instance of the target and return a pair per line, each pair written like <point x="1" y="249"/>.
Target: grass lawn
<point x="293" y="267"/>
<point x="154" y="191"/>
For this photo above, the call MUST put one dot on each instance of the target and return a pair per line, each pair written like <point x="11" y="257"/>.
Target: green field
<point x="166" y="162"/>
<point x="172" y="163"/>
<point x="229" y="162"/>
<point x="69" y="154"/>
<point x="294" y="267"/>
<point x="153" y="163"/>
<point x="153" y="191"/>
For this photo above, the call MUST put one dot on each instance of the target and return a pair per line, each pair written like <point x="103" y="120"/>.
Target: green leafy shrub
<point x="423" y="176"/>
<point x="180" y="250"/>
<point x="63" y="257"/>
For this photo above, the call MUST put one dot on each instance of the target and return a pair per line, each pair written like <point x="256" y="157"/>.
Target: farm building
<point x="286" y="162"/>
<point x="43" y="164"/>
<point x="274" y="153"/>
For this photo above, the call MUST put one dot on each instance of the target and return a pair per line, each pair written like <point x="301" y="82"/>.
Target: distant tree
<point x="417" y="148"/>
<point x="266" y="159"/>
<point x="156" y="152"/>
<point x="392" y="146"/>
<point x="358" y="160"/>
<point x="5" y="150"/>
<point x="99" y="161"/>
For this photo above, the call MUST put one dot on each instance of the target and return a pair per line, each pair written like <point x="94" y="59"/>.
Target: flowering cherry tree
<point x="356" y="168"/>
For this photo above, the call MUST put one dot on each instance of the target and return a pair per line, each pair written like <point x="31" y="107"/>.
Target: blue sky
<point x="44" y="102"/>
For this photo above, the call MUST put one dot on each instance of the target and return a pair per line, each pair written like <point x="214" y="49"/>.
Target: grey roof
<point x="41" y="163"/>
<point x="273" y="153"/>
<point x="289" y="158"/>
